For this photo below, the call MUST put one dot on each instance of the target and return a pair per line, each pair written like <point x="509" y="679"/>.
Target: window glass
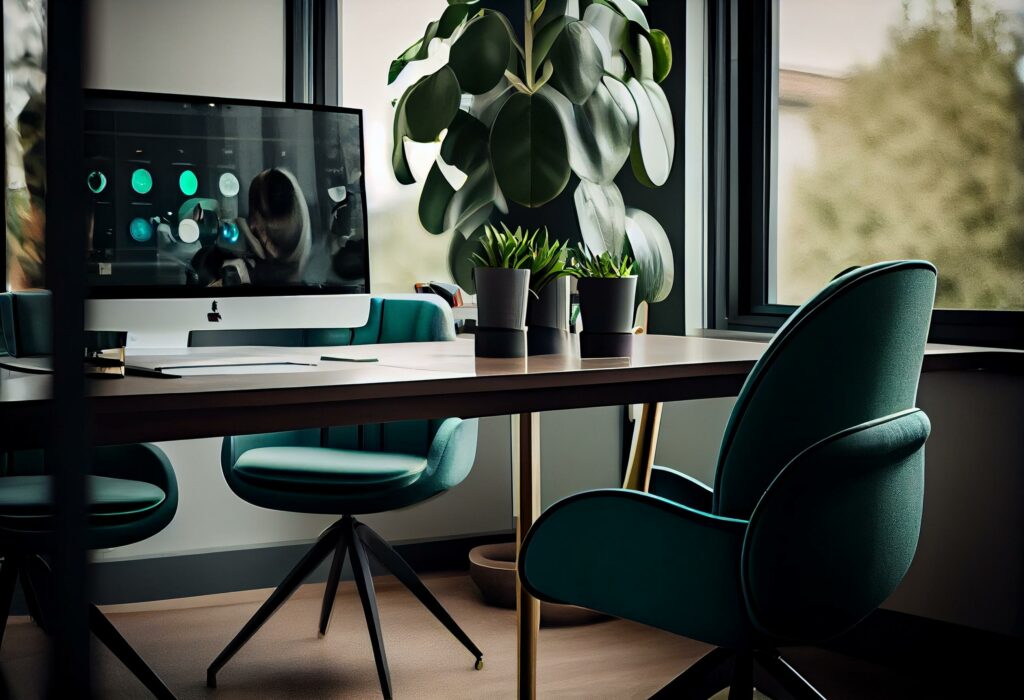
<point x="901" y="135"/>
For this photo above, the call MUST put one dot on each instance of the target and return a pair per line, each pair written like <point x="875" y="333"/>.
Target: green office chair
<point x="350" y="471"/>
<point x="133" y="495"/>
<point x="816" y="510"/>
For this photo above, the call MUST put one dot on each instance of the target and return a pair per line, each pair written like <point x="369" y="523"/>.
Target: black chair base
<point x="740" y="671"/>
<point x="36" y="577"/>
<point x="351" y="537"/>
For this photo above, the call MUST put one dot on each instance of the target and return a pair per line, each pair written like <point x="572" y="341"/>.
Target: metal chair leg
<point x="742" y="685"/>
<point x="391" y="560"/>
<point x="112" y="639"/>
<point x="8" y="579"/>
<point x="331" y="591"/>
<point x="364" y="583"/>
<point x="293" y="580"/>
<point x="795" y="685"/>
<point x="32" y="600"/>
<point x="708" y="675"/>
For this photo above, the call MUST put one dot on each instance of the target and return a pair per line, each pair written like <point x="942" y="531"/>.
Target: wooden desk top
<point x="411" y="380"/>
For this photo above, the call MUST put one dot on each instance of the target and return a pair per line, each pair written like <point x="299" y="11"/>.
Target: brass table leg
<point x="527" y="607"/>
<point x="645" y="443"/>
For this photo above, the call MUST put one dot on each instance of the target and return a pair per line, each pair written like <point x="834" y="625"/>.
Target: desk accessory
<point x="502" y="278"/>
<point x="547" y="310"/>
<point x="330" y="358"/>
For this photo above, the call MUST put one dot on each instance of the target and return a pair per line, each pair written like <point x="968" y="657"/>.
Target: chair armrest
<point x="452" y="453"/>
<point x="683" y="489"/>
<point x="644" y="558"/>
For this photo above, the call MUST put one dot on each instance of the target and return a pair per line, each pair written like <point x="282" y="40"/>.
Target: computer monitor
<point x="211" y="213"/>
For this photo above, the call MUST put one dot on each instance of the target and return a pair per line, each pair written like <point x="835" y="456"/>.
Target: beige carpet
<point x="612" y="659"/>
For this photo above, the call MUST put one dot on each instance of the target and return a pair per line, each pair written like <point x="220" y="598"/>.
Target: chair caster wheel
<point x="479" y="664"/>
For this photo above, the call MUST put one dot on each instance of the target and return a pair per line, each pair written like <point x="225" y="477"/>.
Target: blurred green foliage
<point x="922" y="156"/>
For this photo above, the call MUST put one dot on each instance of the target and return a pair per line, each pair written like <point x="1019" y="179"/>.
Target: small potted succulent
<point x="547" y="311"/>
<point x="607" y="289"/>
<point x="502" y="276"/>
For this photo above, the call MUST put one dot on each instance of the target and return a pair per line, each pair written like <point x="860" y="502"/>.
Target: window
<point x="855" y="131"/>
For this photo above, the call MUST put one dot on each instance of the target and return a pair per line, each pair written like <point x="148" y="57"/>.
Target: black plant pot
<point x="547" y="319"/>
<point x="501" y="296"/>
<point x="607" y="307"/>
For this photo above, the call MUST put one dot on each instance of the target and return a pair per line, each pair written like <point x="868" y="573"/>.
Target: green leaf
<point x="437" y="194"/>
<point x="608" y="23"/>
<point x="428" y="106"/>
<point x="652" y="252"/>
<point x="628" y="9"/>
<point x="654" y="142"/>
<point x="545" y="38"/>
<point x="399" y="161"/>
<point x="465" y="144"/>
<point x="662" y="54"/>
<point x="460" y="264"/>
<point x="473" y="203"/>
<point x="623" y="98"/>
<point x="577" y="61"/>
<point x="598" y="134"/>
<point x="640" y="54"/>
<point x="602" y="217"/>
<point x="529" y="151"/>
<point x="451" y="19"/>
<point x="480" y="55"/>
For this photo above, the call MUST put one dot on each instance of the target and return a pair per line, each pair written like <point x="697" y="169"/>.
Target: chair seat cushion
<point x="30" y="497"/>
<point x="321" y="468"/>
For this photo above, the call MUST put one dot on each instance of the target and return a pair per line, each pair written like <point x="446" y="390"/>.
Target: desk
<point x="416" y="381"/>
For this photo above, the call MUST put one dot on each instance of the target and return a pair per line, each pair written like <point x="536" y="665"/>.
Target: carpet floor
<point x="612" y="659"/>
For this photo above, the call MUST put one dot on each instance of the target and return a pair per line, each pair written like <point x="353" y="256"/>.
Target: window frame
<point x="742" y="84"/>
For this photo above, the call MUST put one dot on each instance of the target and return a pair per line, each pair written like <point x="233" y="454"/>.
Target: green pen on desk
<point x="330" y="358"/>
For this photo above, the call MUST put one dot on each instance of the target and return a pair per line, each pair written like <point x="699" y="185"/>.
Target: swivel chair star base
<point x="741" y="671"/>
<point x="348" y="537"/>
<point x="36" y="580"/>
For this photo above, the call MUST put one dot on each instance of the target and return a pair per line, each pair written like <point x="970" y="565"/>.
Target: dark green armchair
<point x="815" y="513"/>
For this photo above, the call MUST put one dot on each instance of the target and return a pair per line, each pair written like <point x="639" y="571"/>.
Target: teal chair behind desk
<point x="815" y="513"/>
<point x="350" y="471"/>
<point x="133" y="495"/>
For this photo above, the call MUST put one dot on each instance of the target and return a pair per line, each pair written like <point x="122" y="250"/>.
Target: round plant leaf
<point x="577" y="61"/>
<point x="654" y="143"/>
<point x="652" y="252"/>
<point x="465" y="144"/>
<point x="429" y="106"/>
<point x="662" y="48"/>
<point x="598" y="134"/>
<point x="623" y="98"/>
<point x="399" y="160"/>
<point x="602" y="216"/>
<point x="480" y="56"/>
<point x="608" y="23"/>
<point x="451" y="19"/>
<point x="628" y="9"/>
<point x="437" y="194"/>
<point x="459" y="263"/>
<point x="472" y="204"/>
<point x="529" y="151"/>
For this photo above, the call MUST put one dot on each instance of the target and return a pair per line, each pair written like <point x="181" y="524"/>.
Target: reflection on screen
<point x="203" y="194"/>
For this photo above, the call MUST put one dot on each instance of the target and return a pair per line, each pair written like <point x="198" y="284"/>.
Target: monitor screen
<point x="195" y="196"/>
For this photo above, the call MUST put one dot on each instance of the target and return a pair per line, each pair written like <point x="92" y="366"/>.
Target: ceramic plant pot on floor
<point x="607" y="306"/>
<point x="547" y="319"/>
<point x="501" y="298"/>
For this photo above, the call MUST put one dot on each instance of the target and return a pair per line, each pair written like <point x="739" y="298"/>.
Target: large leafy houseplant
<point x="579" y="95"/>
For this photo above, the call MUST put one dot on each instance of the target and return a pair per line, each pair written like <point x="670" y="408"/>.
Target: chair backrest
<point x="850" y="355"/>
<point x="836" y="531"/>
<point x="396" y="319"/>
<point x="25" y="324"/>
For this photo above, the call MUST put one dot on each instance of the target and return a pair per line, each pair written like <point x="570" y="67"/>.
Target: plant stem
<point x="528" y="42"/>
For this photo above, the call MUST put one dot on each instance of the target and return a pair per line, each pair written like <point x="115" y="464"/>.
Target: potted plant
<point x="576" y="93"/>
<point x="607" y="289"/>
<point x="502" y="275"/>
<point x="547" y="311"/>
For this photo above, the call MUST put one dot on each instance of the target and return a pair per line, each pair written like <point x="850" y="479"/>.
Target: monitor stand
<point x="163" y="325"/>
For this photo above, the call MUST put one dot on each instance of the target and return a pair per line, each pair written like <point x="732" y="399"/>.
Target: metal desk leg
<point x="645" y="444"/>
<point x="527" y="607"/>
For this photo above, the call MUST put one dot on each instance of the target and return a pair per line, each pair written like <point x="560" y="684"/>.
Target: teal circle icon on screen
<point x="188" y="183"/>
<point x="229" y="185"/>
<point x="140" y="230"/>
<point x="96" y="181"/>
<point x="142" y="181"/>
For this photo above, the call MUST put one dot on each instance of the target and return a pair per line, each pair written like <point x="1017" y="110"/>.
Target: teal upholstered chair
<point x="353" y="470"/>
<point x="815" y="512"/>
<point x="133" y="495"/>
